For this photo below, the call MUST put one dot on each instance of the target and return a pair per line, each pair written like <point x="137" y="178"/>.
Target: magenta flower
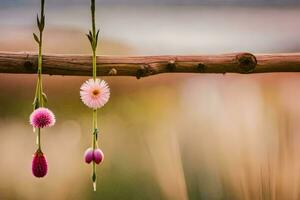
<point x="93" y="155"/>
<point x="94" y="93"/>
<point x="42" y="117"/>
<point x="39" y="165"/>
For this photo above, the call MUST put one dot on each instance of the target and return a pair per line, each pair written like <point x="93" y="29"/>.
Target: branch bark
<point x="142" y="66"/>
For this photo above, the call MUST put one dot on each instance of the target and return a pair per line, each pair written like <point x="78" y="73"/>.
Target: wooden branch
<point x="142" y="66"/>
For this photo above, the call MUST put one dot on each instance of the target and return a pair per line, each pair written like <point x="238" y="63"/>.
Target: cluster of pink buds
<point x="96" y="156"/>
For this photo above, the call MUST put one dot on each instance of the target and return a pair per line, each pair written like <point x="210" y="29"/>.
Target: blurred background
<point x="173" y="137"/>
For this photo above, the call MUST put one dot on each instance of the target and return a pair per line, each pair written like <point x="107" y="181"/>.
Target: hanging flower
<point x="93" y="155"/>
<point x="39" y="165"/>
<point x="42" y="117"/>
<point x="98" y="156"/>
<point x="89" y="155"/>
<point x="94" y="93"/>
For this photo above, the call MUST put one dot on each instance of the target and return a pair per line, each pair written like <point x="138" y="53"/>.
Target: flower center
<point x="96" y="92"/>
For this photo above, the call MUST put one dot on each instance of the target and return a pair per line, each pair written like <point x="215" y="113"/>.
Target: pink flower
<point x="42" y="117"/>
<point x="93" y="155"/>
<point x="98" y="156"/>
<point x="89" y="155"/>
<point x="94" y="93"/>
<point x="39" y="165"/>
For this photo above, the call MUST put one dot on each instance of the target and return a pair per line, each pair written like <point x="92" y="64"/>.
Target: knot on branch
<point x="113" y="72"/>
<point x="201" y="67"/>
<point x="246" y="62"/>
<point x="29" y="65"/>
<point x="145" y="70"/>
<point x="171" y="66"/>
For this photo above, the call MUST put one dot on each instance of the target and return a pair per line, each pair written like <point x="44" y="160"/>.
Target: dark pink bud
<point x="98" y="156"/>
<point x="39" y="165"/>
<point x="88" y="155"/>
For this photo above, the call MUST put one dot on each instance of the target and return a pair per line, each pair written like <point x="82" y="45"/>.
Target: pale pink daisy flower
<point x="41" y="118"/>
<point x="94" y="93"/>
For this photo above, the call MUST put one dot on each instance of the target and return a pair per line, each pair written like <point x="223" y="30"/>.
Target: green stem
<point x="93" y="17"/>
<point x="94" y="48"/>
<point x="40" y="62"/>
<point x="39" y="139"/>
<point x="38" y="93"/>
<point x="95" y="125"/>
<point x="39" y="88"/>
<point x="35" y="96"/>
<point x="39" y="97"/>
<point x="95" y="132"/>
<point x="95" y="128"/>
<point x="94" y="65"/>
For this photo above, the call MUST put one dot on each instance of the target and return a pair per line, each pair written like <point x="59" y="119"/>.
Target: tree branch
<point x="142" y="66"/>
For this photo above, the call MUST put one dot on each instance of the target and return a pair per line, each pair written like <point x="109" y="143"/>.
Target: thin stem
<point x="94" y="42"/>
<point x="40" y="59"/>
<point x="95" y="132"/>
<point x="39" y="139"/>
<point x="40" y="62"/>
<point x="95" y="128"/>
<point x="94" y="69"/>
<point x="93" y="17"/>
<point x="94" y="65"/>
<point x="36" y="94"/>
<point x="94" y="177"/>
<point x="39" y="88"/>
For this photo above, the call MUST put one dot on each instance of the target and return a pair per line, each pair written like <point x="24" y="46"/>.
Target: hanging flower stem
<point x="39" y="97"/>
<point x="94" y="93"/>
<point x="95" y="133"/>
<point x="41" y="117"/>
<point x="39" y="139"/>
<point x="93" y="38"/>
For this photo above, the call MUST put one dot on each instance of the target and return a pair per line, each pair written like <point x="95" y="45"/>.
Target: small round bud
<point x="39" y="165"/>
<point x="98" y="156"/>
<point x="89" y="155"/>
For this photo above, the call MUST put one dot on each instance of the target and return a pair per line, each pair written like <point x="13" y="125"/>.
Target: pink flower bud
<point x="39" y="165"/>
<point x="89" y="155"/>
<point x="98" y="156"/>
<point x="41" y="118"/>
